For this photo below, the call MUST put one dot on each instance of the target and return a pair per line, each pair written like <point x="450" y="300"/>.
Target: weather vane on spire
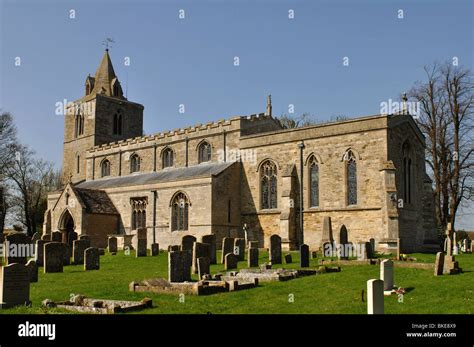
<point x="108" y="43"/>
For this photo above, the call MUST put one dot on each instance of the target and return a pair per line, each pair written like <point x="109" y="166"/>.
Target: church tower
<point x="101" y="116"/>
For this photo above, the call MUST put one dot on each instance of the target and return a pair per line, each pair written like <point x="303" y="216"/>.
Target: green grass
<point x="337" y="293"/>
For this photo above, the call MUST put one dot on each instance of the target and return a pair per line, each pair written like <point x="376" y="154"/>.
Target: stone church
<point x="245" y="176"/>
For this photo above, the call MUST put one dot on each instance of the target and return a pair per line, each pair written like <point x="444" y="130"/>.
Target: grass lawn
<point x="336" y="293"/>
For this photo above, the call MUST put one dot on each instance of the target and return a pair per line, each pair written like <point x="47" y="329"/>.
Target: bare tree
<point x="291" y="122"/>
<point x="446" y="119"/>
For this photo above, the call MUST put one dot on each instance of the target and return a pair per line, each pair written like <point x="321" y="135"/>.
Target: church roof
<point x="166" y="175"/>
<point x="96" y="201"/>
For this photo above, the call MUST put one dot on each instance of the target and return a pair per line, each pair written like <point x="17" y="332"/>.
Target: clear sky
<point x="190" y="61"/>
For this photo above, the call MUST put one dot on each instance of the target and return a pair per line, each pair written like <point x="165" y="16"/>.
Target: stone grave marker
<point x="141" y="248"/>
<point x="252" y="257"/>
<point x="439" y="264"/>
<point x="288" y="259"/>
<point x="39" y="252"/>
<point x="211" y="241"/>
<point x="56" y="236"/>
<point x="179" y="269"/>
<point x="187" y="243"/>
<point x="14" y="285"/>
<point x="227" y="247"/>
<point x="155" y="249"/>
<point x="67" y="254"/>
<point x="230" y="261"/>
<point x="275" y="249"/>
<point x="203" y="266"/>
<point x="239" y="248"/>
<point x="53" y="253"/>
<point x="304" y="255"/>
<point x="386" y="274"/>
<point x="91" y="259"/>
<point x="32" y="270"/>
<point x="112" y="244"/>
<point x="17" y="248"/>
<point x="200" y="250"/>
<point x="79" y="246"/>
<point x="375" y="297"/>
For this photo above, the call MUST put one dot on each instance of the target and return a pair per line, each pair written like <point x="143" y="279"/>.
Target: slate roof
<point x="166" y="175"/>
<point x="96" y="201"/>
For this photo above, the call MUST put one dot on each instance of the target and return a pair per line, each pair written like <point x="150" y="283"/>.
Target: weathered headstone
<point x="230" y="261"/>
<point x="227" y="247"/>
<point x="203" y="266"/>
<point x="375" y="297"/>
<point x="465" y="245"/>
<point x="53" y="253"/>
<point x="439" y="264"/>
<point x="141" y="248"/>
<point x="112" y="244"/>
<point x="455" y="244"/>
<point x="17" y="248"/>
<point x="304" y="255"/>
<point x="79" y="246"/>
<point x="252" y="257"/>
<point x="211" y="240"/>
<point x="32" y="270"/>
<point x="288" y="259"/>
<point x="187" y="242"/>
<point x="343" y="243"/>
<point x="56" y="236"/>
<point x="275" y="249"/>
<point x="327" y="230"/>
<point x="91" y="259"/>
<point x="174" y="248"/>
<point x="386" y="274"/>
<point x="155" y="249"/>
<point x="46" y="237"/>
<point x="450" y="266"/>
<point x="179" y="269"/>
<point x="449" y="245"/>
<point x="84" y="237"/>
<point x="67" y="255"/>
<point x="14" y="285"/>
<point x="200" y="250"/>
<point x="239" y="248"/>
<point x="39" y="248"/>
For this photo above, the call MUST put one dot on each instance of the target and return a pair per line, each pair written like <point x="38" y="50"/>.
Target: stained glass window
<point x="269" y="185"/>
<point x="179" y="212"/>
<point x="314" y="182"/>
<point x="351" y="178"/>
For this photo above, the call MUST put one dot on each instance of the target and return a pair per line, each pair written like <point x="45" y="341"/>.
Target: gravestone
<point x="253" y="244"/>
<point x="386" y="274"/>
<point x="56" y="236"/>
<point x="79" y="246"/>
<point x="112" y="244"/>
<point x="372" y="248"/>
<point x="362" y="251"/>
<point x="91" y="259"/>
<point x="327" y="230"/>
<point x="449" y="245"/>
<point x="67" y="254"/>
<point x="203" y="266"/>
<point x="466" y="245"/>
<point x="375" y="298"/>
<point x="439" y="264"/>
<point x="174" y="248"/>
<point x="187" y="243"/>
<point x="155" y="249"/>
<point x="275" y="249"/>
<point x="53" y="253"/>
<point x="304" y="255"/>
<point x="288" y="259"/>
<point x="14" y="285"/>
<point x="39" y="248"/>
<point x="239" y="248"/>
<point x="141" y="248"/>
<point x="200" y="250"/>
<point x="230" y="261"/>
<point x="211" y="240"/>
<point x="314" y="255"/>
<point x="252" y="257"/>
<point x="450" y="265"/>
<point x="46" y="237"/>
<point x="32" y="270"/>
<point x="227" y="247"/>
<point x="72" y="236"/>
<point x="17" y="248"/>
<point x="84" y="237"/>
<point x="343" y="242"/>
<point x="179" y="269"/>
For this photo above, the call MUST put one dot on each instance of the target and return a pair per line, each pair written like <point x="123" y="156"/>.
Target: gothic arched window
<point x="167" y="157"/>
<point x="134" y="163"/>
<point x="79" y="126"/>
<point x="407" y="173"/>
<point x="105" y="168"/>
<point x="204" y="152"/>
<point x="138" y="213"/>
<point x="351" y="177"/>
<point x="179" y="212"/>
<point x="268" y="183"/>
<point x="313" y="182"/>
<point x="118" y="122"/>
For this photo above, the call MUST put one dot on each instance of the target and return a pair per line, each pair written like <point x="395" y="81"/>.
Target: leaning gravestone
<point x="17" y="248"/>
<point x="211" y="240"/>
<point x="230" y="261"/>
<point x="39" y="248"/>
<point x="227" y="247"/>
<point x="375" y="300"/>
<point x="179" y="269"/>
<point x="112" y="244"/>
<point x="252" y="257"/>
<point x="187" y="242"/>
<point x="275" y="249"/>
<point x="304" y="255"/>
<point x="200" y="250"/>
<point x="439" y="264"/>
<point x="386" y="274"/>
<point x="53" y="253"/>
<point x="56" y="236"/>
<point x="79" y="246"/>
<point x="203" y="266"/>
<point x="91" y="259"/>
<point x="239" y="248"/>
<point x="14" y="285"/>
<point x="32" y="270"/>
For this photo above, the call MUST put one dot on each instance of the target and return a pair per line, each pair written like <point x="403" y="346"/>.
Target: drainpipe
<point x="301" y="236"/>
<point x="154" y="214"/>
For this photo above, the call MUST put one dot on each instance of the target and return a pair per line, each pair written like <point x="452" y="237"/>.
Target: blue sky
<point x="191" y="61"/>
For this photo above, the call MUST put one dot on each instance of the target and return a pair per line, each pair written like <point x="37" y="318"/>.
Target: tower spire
<point x="269" y="105"/>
